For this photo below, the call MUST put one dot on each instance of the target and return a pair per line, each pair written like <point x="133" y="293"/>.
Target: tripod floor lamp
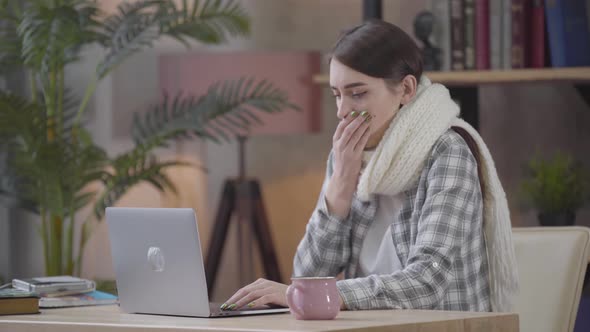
<point x="241" y="200"/>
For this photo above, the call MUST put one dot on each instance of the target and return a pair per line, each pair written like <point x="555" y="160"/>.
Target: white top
<point x="378" y="255"/>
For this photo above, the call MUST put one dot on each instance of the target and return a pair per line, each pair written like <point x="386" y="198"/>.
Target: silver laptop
<point x="158" y="264"/>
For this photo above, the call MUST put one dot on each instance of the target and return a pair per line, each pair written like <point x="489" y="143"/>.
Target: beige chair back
<point x="552" y="262"/>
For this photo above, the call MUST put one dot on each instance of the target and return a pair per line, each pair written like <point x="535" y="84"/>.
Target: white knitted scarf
<point x="401" y="155"/>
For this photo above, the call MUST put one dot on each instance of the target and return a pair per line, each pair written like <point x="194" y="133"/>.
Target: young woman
<point x="411" y="210"/>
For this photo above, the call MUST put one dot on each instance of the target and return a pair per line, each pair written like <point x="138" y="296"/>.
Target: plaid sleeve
<point x="325" y="248"/>
<point x="450" y="206"/>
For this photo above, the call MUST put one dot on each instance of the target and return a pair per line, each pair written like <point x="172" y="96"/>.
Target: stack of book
<point x="55" y="292"/>
<point x="507" y="34"/>
<point x="16" y="301"/>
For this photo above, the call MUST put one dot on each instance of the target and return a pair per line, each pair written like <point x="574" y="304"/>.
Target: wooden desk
<point x="109" y="318"/>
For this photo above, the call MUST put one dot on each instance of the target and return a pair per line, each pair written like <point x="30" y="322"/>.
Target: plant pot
<point x="557" y="218"/>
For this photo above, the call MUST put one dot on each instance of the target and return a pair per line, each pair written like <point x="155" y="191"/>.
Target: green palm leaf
<point x="137" y="25"/>
<point x="11" y="10"/>
<point x="48" y="161"/>
<point x="10" y="43"/>
<point x="207" y="21"/>
<point x="131" y="29"/>
<point x="21" y="119"/>
<point x="10" y="48"/>
<point x="52" y="36"/>
<point x="130" y="169"/>
<point x="11" y="186"/>
<point x="27" y="122"/>
<point x="227" y="109"/>
<point x="42" y="171"/>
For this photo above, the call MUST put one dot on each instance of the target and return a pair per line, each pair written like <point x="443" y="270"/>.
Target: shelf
<point x="479" y="77"/>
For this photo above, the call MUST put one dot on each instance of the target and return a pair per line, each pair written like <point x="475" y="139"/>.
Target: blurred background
<point x="518" y="120"/>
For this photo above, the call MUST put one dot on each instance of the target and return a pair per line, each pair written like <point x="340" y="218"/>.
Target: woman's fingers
<point x="362" y="142"/>
<point x="271" y="298"/>
<point x="257" y="294"/>
<point x="357" y="136"/>
<point x="354" y="131"/>
<point x="343" y="124"/>
<point x="255" y="298"/>
<point x="241" y="293"/>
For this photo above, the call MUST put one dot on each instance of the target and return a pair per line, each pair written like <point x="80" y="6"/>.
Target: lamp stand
<point x="242" y="199"/>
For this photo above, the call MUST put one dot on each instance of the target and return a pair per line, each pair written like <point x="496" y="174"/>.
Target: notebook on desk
<point x="17" y="301"/>
<point x="158" y="264"/>
<point x="77" y="300"/>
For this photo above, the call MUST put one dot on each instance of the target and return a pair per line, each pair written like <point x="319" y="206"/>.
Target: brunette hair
<point x="379" y="49"/>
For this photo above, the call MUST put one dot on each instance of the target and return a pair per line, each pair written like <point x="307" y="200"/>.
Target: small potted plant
<point x="556" y="187"/>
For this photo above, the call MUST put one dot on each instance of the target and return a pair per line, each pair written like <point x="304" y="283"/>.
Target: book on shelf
<point x="511" y="34"/>
<point x="457" y="35"/>
<point x="469" y="27"/>
<point x="506" y="34"/>
<point x="495" y="30"/>
<point x="569" y="36"/>
<point x="17" y="302"/>
<point x="537" y="33"/>
<point x="482" y="34"/>
<point x="519" y="33"/>
<point x="441" y="10"/>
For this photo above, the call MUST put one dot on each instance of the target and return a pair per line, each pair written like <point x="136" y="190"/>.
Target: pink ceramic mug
<point x="313" y="298"/>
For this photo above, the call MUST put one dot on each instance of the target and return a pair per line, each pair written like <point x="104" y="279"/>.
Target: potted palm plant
<point x="49" y="163"/>
<point x="557" y="188"/>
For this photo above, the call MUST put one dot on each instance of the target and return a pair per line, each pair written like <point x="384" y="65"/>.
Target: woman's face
<point x="355" y="91"/>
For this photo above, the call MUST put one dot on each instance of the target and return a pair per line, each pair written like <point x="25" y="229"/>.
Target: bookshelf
<point x="483" y="77"/>
<point x="464" y="85"/>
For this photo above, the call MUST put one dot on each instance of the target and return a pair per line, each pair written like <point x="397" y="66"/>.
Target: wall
<point x="20" y="251"/>
<point x="515" y="120"/>
<point x="5" y="261"/>
<point x="5" y="258"/>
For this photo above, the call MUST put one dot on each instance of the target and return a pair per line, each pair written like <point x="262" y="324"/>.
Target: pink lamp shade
<point x="290" y="71"/>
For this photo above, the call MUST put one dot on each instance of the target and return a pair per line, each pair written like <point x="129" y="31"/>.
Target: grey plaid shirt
<point x="438" y="236"/>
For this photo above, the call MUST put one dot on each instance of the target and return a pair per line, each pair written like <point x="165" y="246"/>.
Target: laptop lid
<point x="158" y="261"/>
